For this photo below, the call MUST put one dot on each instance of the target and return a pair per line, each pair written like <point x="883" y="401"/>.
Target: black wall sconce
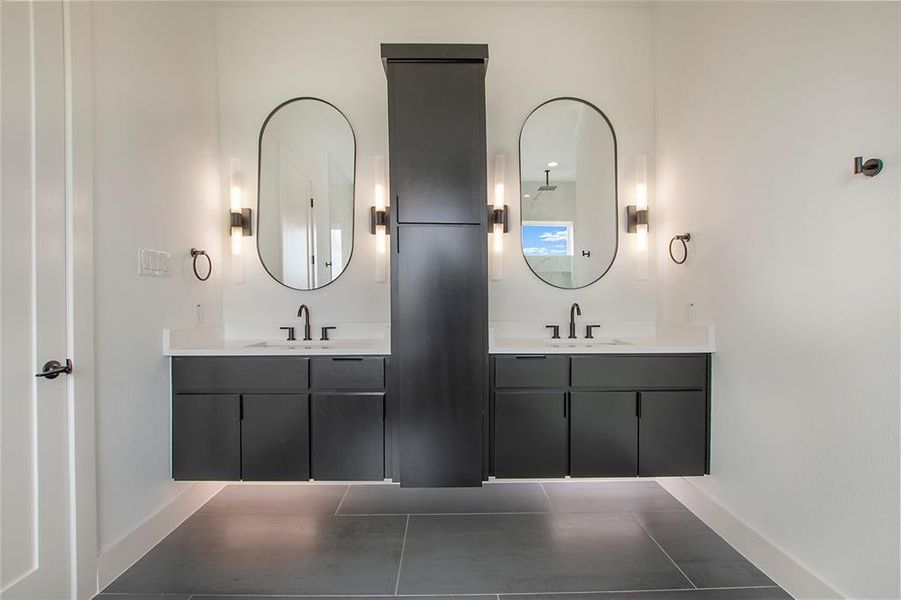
<point x="634" y="217"/>
<point x="498" y="216"/>
<point x="870" y="168"/>
<point x="241" y="222"/>
<point x="379" y="218"/>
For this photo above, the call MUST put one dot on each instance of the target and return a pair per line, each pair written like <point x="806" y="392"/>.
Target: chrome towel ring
<point x="684" y="238"/>
<point x="195" y="254"/>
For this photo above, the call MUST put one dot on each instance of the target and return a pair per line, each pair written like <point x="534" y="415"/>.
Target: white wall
<point x="156" y="186"/>
<point x="270" y="53"/>
<point x="761" y="108"/>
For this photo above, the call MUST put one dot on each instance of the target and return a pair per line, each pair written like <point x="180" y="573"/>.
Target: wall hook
<point x="870" y="168"/>
<point x="684" y="238"/>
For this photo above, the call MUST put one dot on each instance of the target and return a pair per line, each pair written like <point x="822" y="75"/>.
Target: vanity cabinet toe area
<point x="287" y="418"/>
<point x="599" y="415"/>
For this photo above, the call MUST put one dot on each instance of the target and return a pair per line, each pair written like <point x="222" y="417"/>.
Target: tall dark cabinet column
<point x="439" y="260"/>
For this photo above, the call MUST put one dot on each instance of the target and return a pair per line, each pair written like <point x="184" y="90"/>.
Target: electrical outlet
<point x="198" y="315"/>
<point x="153" y="263"/>
<point x="690" y="312"/>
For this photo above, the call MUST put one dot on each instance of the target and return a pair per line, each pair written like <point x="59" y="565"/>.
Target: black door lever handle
<point x="53" y="369"/>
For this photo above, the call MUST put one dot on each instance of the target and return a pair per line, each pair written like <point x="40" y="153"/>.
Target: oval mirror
<point x="567" y="167"/>
<point x="305" y="200"/>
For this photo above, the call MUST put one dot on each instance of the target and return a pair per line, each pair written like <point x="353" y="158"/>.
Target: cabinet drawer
<point x="240" y="374"/>
<point x="530" y="370"/>
<point x="348" y="373"/>
<point x="640" y="372"/>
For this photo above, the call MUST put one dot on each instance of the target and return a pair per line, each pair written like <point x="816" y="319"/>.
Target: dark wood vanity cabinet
<point x="625" y="415"/>
<point x="278" y="418"/>
<point x="206" y="436"/>
<point x="439" y="261"/>
<point x="530" y="433"/>
<point x="604" y="434"/>
<point x="274" y="440"/>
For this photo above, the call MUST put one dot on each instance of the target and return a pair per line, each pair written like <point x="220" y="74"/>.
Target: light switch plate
<point x="153" y="263"/>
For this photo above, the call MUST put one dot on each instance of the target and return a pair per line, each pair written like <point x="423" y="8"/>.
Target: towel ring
<point x="195" y="254"/>
<point x="684" y="238"/>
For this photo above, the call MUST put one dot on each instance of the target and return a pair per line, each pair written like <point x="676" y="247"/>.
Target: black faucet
<point x="573" y="311"/>
<point x="304" y="311"/>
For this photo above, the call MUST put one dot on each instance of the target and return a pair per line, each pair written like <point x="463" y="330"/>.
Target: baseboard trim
<point x="793" y="576"/>
<point x="127" y="551"/>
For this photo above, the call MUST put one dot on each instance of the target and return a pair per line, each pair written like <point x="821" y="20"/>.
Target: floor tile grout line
<point x="400" y="563"/>
<point x="465" y="595"/>
<point x="346" y="490"/>
<point x="653" y="539"/>
<point x="548" y="496"/>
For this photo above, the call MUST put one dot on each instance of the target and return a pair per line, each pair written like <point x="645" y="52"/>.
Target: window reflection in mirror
<point x="306" y="193"/>
<point x="567" y="153"/>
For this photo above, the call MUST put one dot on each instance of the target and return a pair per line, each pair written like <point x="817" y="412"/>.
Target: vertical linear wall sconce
<point x="497" y="217"/>
<point x="378" y="220"/>
<point x="637" y="216"/>
<point x="240" y="218"/>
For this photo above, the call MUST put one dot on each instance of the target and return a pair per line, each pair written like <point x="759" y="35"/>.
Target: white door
<point x="34" y="412"/>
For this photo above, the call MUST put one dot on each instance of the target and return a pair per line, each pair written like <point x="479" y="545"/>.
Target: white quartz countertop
<point x="598" y="346"/>
<point x="212" y="341"/>
<point x="627" y="338"/>
<point x="662" y="338"/>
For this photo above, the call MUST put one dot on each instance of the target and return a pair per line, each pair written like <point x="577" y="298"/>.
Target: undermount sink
<point x="295" y="344"/>
<point x="587" y="343"/>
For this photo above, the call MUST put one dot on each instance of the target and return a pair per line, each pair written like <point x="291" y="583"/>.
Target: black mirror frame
<point x="353" y="225"/>
<point x="615" y="189"/>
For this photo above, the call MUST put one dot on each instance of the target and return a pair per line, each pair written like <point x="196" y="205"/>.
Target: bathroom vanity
<point x="268" y="411"/>
<point x="274" y="418"/>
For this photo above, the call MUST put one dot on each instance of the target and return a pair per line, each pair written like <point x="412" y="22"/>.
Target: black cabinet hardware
<point x="589" y="331"/>
<point x="324" y="333"/>
<point x="555" y="329"/>
<point x="290" y="331"/>
<point x="531" y="357"/>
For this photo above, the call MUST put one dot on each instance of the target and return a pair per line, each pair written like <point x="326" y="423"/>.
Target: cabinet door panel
<point x="604" y="434"/>
<point x="530" y="434"/>
<point x="348" y="437"/>
<point x="437" y="138"/>
<point x="672" y="433"/>
<point x="206" y="437"/>
<point x="440" y="351"/>
<point x="275" y="432"/>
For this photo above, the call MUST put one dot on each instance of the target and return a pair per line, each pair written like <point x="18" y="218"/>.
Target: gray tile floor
<point x="598" y="540"/>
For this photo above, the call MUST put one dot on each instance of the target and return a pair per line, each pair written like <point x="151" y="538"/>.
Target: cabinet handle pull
<point x="530" y="356"/>
<point x="347" y="358"/>
<point x="638" y="405"/>
<point x="565" y="397"/>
